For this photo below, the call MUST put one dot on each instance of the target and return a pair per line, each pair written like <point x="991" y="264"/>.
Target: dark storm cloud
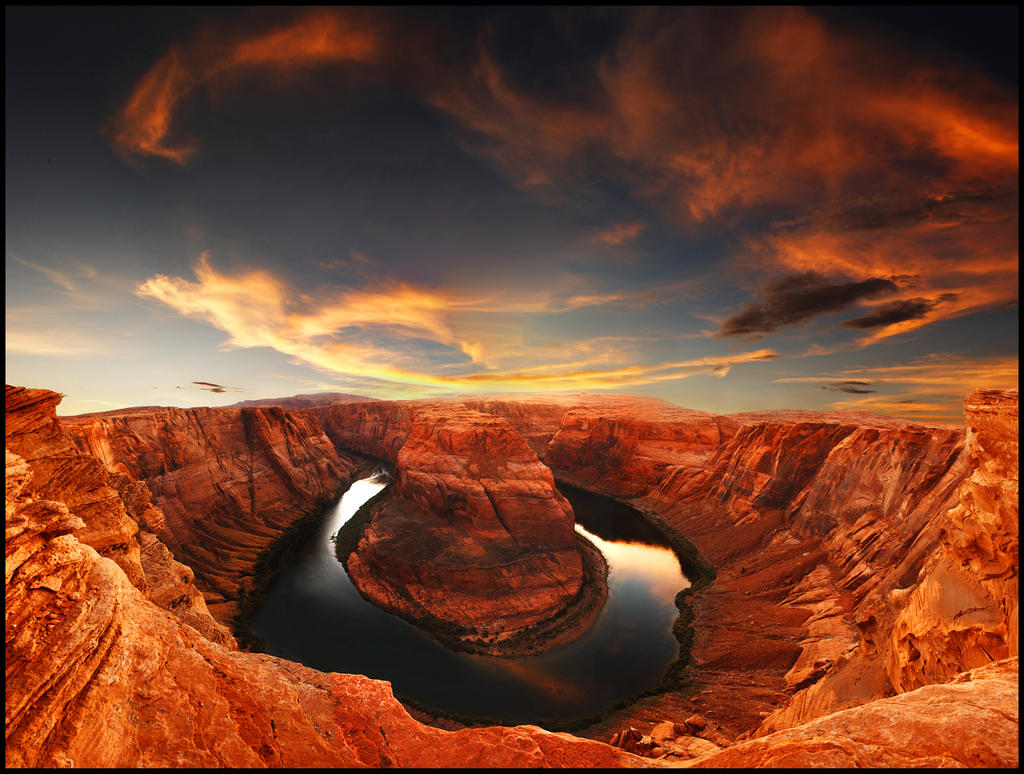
<point x="853" y="387"/>
<point x="896" y="312"/>
<point x="796" y="298"/>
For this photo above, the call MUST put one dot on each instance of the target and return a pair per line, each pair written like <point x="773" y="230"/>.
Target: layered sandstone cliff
<point x="228" y="480"/>
<point x="113" y="512"/>
<point x="925" y="609"/>
<point x="474" y="535"/>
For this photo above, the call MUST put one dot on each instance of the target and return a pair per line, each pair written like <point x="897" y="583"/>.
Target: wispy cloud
<point x="811" y="111"/>
<point x="929" y="388"/>
<point x="910" y="165"/>
<point x="67" y="279"/>
<point x="852" y="386"/>
<point x="54" y="342"/>
<point x="620" y="233"/>
<point x="144" y="126"/>
<point x="796" y="298"/>
<point x="210" y="387"/>
<point x="401" y="333"/>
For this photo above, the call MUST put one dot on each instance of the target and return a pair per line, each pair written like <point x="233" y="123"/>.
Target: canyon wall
<point x="926" y="609"/>
<point x="228" y="480"/>
<point x="112" y="512"/>
<point x="473" y="534"/>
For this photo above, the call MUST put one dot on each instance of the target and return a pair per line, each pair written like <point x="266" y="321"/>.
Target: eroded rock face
<point x="932" y="579"/>
<point x="971" y="721"/>
<point x="857" y="557"/>
<point x="227" y="480"/>
<point x="98" y="676"/>
<point x="378" y="429"/>
<point x="475" y="533"/>
<point x="113" y="511"/>
<point x="803" y="520"/>
<point x="626" y="449"/>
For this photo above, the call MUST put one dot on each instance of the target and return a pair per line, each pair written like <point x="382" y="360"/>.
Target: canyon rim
<point x="649" y="387"/>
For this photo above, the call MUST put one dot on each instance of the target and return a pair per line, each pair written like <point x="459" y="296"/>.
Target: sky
<point x="731" y="209"/>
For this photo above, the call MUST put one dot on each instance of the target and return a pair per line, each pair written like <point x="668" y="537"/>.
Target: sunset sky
<point x="739" y="209"/>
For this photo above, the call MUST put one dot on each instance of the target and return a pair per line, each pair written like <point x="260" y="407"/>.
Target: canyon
<point x="863" y="609"/>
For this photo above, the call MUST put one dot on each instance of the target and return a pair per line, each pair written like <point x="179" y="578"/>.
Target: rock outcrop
<point x="113" y="512"/>
<point x="474" y="537"/>
<point x="627" y="448"/>
<point x="228" y="480"/>
<point x="969" y="722"/>
<point x="933" y="588"/>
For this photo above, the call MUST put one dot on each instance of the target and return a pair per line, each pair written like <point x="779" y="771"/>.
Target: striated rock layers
<point x="228" y="480"/>
<point x="111" y="512"/>
<point x="969" y="722"/>
<point x="850" y="563"/>
<point x="940" y="600"/>
<point x="96" y="675"/>
<point x="474" y="537"/>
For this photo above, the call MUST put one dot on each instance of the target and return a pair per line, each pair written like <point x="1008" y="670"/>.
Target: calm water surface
<point x="314" y="615"/>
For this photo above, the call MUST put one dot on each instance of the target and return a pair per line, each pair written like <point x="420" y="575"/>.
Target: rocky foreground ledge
<point x="864" y="613"/>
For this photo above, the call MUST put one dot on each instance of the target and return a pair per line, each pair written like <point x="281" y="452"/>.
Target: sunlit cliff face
<point x="731" y="209"/>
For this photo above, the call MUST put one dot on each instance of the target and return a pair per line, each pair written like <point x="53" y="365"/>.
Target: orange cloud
<point x="142" y="127"/>
<point x="379" y="333"/>
<point x="620" y="233"/>
<point x="946" y="260"/>
<point x="716" y="111"/>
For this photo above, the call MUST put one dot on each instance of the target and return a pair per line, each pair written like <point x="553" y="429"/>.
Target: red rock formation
<point x="802" y="521"/>
<point x="228" y="480"/>
<point x="626" y="448"/>
<point x="97" y="676"/>
<point x="475" y="533"/>
<point x="110" y="508"/>
<point x="971" y="721"/>
<point x="856" y="558"/>
<point x="377" y="429"/>
<point x="945" y="602"/>
<point x="306" y="400"/>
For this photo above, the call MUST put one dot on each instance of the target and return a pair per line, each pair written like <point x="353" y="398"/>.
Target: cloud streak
<point x="796" y="298"/>
<point x="144" y="126"/>
<point x="404" y="334"/>
<point x="929" y="388"/>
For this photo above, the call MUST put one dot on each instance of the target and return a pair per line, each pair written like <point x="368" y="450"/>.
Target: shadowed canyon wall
<point x="113" y="512"/>
<point x="228" y="480"/>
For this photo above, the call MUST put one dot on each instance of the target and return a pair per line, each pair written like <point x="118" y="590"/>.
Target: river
<point x="314" y="615"/>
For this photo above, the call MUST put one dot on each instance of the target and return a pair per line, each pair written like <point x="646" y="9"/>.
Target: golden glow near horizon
<point x="802" y="214"/>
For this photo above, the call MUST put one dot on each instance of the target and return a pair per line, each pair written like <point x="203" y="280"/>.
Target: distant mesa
<point x="305" y="400"/>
